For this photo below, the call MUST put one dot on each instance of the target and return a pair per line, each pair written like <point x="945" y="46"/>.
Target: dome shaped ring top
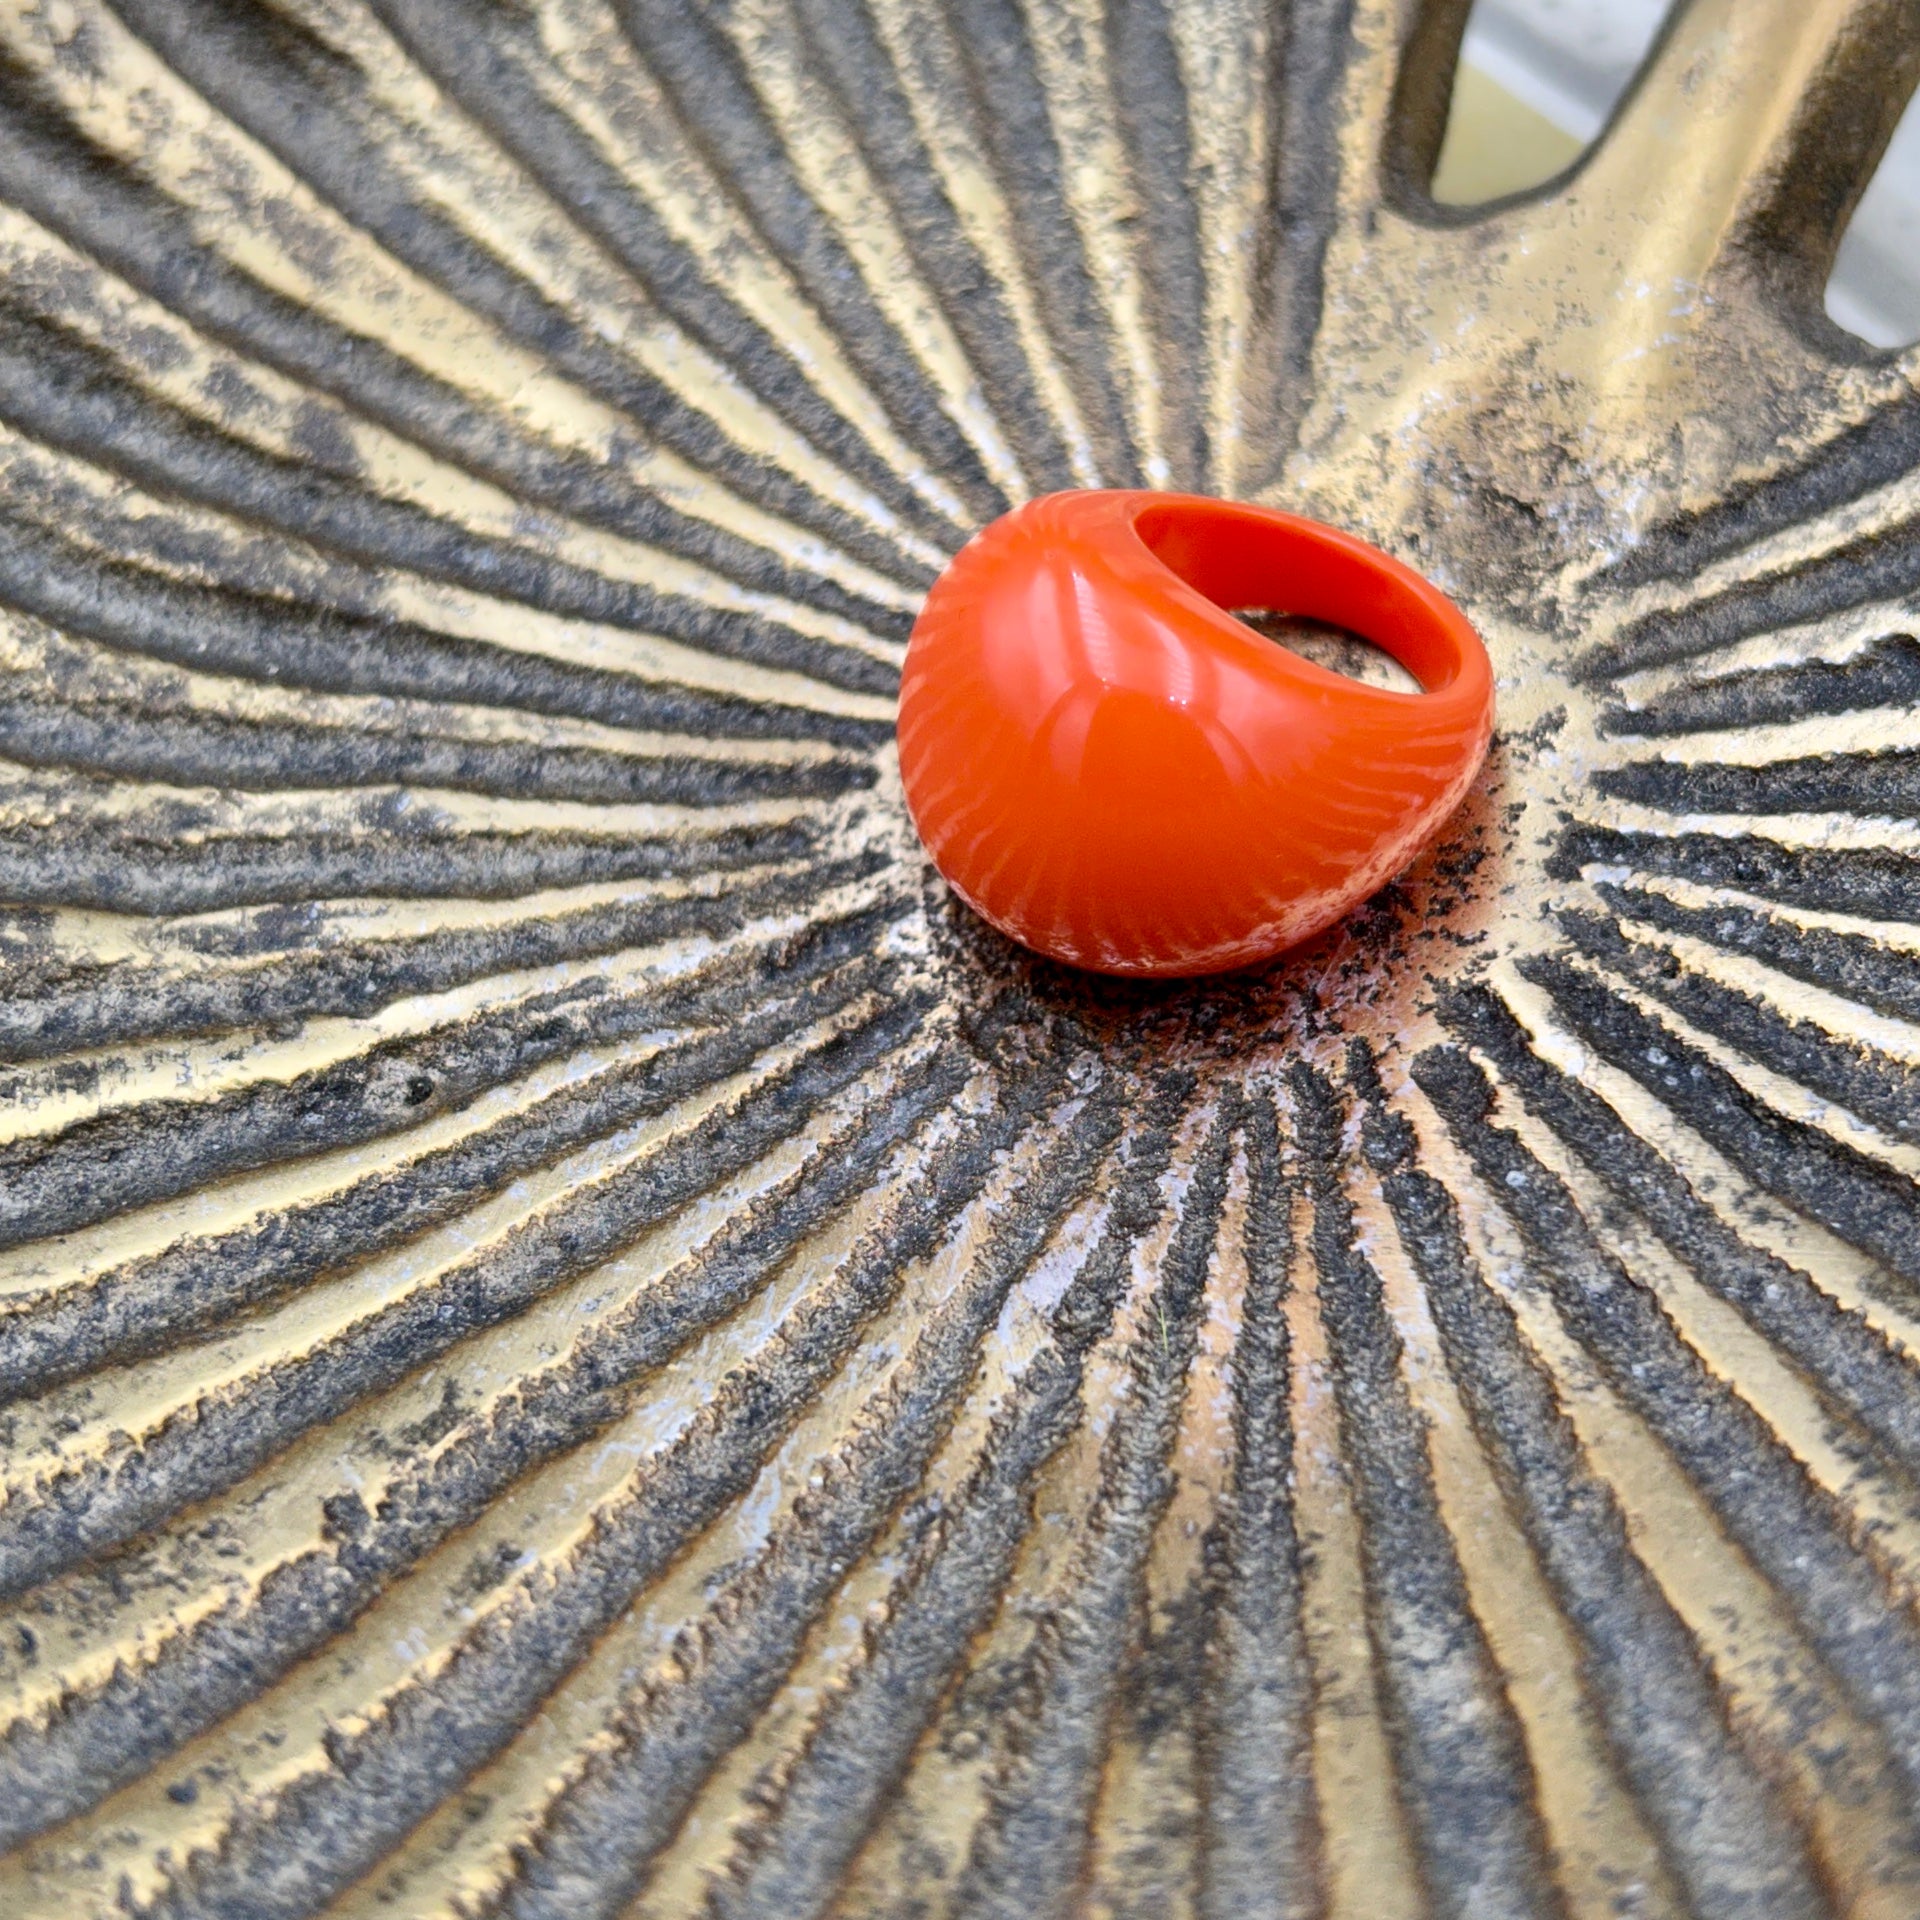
<point x="1114" y="770"/>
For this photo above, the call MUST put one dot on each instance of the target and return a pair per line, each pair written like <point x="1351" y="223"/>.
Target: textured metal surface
<point x="577" y="1341"/>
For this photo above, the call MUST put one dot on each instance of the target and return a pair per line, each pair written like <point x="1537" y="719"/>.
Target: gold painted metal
<point x="577" y="1338"/>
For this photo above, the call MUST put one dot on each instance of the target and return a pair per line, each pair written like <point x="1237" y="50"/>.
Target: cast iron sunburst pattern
<point x="577" y="1341"/>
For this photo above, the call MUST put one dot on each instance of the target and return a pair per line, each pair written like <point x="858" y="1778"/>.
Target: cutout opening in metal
<point x="1874" y="290"/>
<point x="1535" y="83"/>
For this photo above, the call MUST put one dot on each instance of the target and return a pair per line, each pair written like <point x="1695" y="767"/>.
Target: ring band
<point x="1114" y="771"/>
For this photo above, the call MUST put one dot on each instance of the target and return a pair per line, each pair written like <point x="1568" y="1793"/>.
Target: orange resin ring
<point x="1116" y="772"/>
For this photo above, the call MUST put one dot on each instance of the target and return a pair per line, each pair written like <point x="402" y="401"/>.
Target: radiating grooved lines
<point x="1725" y="1842"/>
<point x="1259" y="1824"/>
<point x="1763" y="1497"/>
<point x="577" y="1338"/>
<point x="1464" y="1779"/>
<point x="1030" y="1847"/>
<point x="473" y="1458"/>
<point x="1599" y="1840"/>
<point x="790" y="1865"/>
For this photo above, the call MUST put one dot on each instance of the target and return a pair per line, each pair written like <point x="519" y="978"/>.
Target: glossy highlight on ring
<point x="1116" y="772"/>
